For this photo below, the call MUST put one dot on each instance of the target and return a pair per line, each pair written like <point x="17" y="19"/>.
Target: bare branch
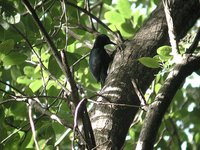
<point x="139" y="92"/>
<point x="114" y="104"/>
<point x="83" y="115"/>
<point x="32" y="125"/>
<point x="171" y="28"/>
<point x="89" y="10"/>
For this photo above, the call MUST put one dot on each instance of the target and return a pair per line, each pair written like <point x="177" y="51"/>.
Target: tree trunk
<point x="111" y="122"/>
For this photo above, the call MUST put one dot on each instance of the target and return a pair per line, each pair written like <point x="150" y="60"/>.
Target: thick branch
<point x="111" y="123"/>
<point x="162" y="101"/>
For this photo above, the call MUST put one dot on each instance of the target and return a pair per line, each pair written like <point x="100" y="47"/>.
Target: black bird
<point x="99" y="59"/>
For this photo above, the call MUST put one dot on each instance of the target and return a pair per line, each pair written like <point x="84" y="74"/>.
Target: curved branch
<point x="162" y="101"/>
<point x="111" y="123"/>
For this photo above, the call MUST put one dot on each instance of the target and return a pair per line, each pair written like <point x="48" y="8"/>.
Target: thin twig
<point x="88" y="132"/>
<point x="91" y="15"/>
<point x="69" y="76"/>
<point x="32" y="125"/>
<point x="62" y="137"/>
<point x="171" y="28"/>
<point x="39" y="59"/>
<point x="100" y="10"/>
<point x="66" y="20"/>
<point x="114" y="104"/>
<point x="138" y="92"/>
<point x="75" y="127"/>
<point x="80" y="59"/>
<point x="15" y="89"/>
<point x="89" y="10"/>
<point x="10" y="135"/>
<point x="38" y="106"/>
<point x="36" y="7"/>
<point x="52" y="46"/>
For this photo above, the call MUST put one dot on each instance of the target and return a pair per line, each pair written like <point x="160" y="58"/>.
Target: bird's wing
<point x="95" y="64"/>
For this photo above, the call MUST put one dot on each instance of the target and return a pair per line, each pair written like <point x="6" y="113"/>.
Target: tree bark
<point x="111" y="122"/>
<point x="157" y="109"/>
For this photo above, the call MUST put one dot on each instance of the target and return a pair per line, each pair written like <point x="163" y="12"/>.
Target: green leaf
<point x="149" y="62"/>
<point x="54" y="68"/>
<point x="24" y="80"/>
<point x="114" y="17"/>
<point x="35" y="85"/>
<point x="197" y="138"/>
<point x="15" y="72"/>
<point x="108" y="2"/>
<point x="132" y="133"/>
<point x="6" y="46"/>
<point x="124" y="8"/>
<point x="1" y="33"/>
<point x="126" y="29"/>
<point x="29" y="71"/>
<point x="157" y="87"/>
<point x="27" y="140"/>
<point x="46" y="131"/>
<point x="14" y="58"/>
<point x="164" y="50"/>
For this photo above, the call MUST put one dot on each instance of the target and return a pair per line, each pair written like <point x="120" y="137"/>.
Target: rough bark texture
<point x="111" y="122"/>
<point x="157" y="109"/>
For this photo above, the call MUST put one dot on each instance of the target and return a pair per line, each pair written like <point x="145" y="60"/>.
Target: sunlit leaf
<point x="35" y="85"/>
<point x="114" y="17"/>
<point x="149" y="62"/>
<point x="124" y="8"/>
<point x="164" y="50"/>
<point x="14" y="58"/>
<point x="23" y="80"/>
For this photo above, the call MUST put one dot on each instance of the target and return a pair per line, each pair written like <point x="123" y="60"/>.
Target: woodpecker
<point x="99" y="59"/>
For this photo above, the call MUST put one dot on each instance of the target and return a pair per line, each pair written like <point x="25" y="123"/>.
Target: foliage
<point x="29" y="71"/>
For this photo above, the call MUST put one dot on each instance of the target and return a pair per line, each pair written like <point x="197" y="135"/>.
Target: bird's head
<point x="102" y="40"/>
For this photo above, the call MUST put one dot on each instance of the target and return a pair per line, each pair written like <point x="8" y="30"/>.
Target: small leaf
<point x="54" y="68"/>
<point x="124" y="8"/>
<point x="29" y="71"/>
<point x="197" y="138"/>
<point x="14" y="58"/>
<point x="6" y="46"/>
<point x="126" y="29"/>
<point x="108" y="2"/>
<point x="132" y="133"/>
<point x="157" y="87"/>
<point x="15" y="72"/>
<point x="149" y="62"/>
<point x="114" y="17"/>
<point x="34" y="86"/>
<point x="23" y="80"/>
<point x="164" y="50"/>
